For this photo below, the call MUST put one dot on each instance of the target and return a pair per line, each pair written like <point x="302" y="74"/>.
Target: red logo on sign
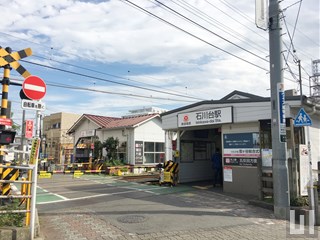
<point x="34" y="88"/>
<point x="185" y="118"/>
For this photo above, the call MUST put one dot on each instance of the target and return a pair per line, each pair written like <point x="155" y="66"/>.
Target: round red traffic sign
<point x="34" y="87"/>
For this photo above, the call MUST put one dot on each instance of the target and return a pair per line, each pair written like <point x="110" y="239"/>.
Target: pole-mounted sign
<point x="34" y="87"/>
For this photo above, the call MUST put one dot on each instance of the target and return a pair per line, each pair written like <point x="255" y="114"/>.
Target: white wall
<point x="241" y="127"/>
<point x="84" y="126"/>
<point x="150" y="131"/>
<point x="315" y="141"/>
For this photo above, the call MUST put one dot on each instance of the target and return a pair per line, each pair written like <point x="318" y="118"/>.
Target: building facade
<point x="141" y="138"/>
<point x="239" y="124"/>
<point x="57" y="145"/>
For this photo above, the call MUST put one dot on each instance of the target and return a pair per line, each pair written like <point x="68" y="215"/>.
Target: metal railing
<point x="31" y="195"/>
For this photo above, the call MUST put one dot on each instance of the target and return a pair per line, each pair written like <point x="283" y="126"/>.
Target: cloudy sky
<point x="109" y="57"/>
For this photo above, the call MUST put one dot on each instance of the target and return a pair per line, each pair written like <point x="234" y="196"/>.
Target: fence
<point x="29" y="196"/>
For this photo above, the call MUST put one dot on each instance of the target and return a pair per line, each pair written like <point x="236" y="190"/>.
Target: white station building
<point x="239" y="124"/>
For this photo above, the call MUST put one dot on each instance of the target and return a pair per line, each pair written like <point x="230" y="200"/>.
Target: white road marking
<point x="55" y="194"/>
<point x="95" y="196"/>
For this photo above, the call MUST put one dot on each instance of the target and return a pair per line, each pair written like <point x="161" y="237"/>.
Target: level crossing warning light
<point x="7" y="137"/>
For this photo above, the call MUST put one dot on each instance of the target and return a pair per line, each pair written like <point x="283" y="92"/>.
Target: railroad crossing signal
<point x="12" y="58"/>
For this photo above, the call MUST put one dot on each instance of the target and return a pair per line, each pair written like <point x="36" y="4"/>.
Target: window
<point x="153" y="152"/>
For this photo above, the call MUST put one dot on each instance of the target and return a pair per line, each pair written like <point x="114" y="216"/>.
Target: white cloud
<point x="112" y="37"/>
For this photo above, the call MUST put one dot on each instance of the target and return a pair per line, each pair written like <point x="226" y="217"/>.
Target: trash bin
<point x="169" y="173"/>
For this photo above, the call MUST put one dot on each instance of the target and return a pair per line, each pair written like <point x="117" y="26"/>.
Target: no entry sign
<point x="34" y="87"/>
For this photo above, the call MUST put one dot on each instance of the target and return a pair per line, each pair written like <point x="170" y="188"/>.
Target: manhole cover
<point x="132" y="219"/>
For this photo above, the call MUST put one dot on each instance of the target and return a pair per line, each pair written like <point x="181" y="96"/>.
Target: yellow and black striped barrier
<point x="169" y="173"/>
<point x="8" y="174"/>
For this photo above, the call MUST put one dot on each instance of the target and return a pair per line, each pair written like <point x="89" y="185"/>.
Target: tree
<point x="15" y="126"/>
<point x="97" y="151"/>
<point x="111" y="145"/>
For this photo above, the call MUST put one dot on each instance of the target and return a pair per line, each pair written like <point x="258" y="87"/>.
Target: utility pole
<point x="278" y="121"/>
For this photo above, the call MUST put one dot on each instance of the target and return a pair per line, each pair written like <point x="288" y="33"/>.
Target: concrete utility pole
<point x="278" y="121"/>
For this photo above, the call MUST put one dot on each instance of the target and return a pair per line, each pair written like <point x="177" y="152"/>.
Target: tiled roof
<point x="130" y="121"/>
<point x="100" y="120"/>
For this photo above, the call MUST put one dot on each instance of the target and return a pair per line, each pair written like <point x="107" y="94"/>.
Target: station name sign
<point x="206" y="117"/>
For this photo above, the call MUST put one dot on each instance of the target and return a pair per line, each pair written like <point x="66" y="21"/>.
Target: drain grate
<point x="132" y="219"/>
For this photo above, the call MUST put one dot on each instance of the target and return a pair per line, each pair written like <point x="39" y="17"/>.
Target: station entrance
<point x="196" y="150"/>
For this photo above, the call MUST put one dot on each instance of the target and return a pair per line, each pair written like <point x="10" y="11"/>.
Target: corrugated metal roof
<point x="130" y="121"/>
<point x="111" y="122"/>
<point x="100" y="120"/>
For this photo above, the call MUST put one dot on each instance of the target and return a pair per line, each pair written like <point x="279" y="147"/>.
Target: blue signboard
<point x="302" y="119"/>
<point x="281" y="112"/>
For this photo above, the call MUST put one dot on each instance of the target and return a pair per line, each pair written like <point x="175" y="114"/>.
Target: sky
<point x="110" y="57"/>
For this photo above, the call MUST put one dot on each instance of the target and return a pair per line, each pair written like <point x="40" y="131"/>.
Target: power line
<point x="112" y="93"/>
<point x="208" y="30"/>
<point x="92" y="70"/>
<point x="190" y="34"/>
<point x="218" y="24"/>
<point x="107" y="80"/>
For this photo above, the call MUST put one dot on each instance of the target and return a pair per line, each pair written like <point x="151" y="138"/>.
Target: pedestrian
<point x="217" y="167"/>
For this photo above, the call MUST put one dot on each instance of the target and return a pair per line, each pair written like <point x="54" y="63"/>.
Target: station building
<point x="239" y="124"/>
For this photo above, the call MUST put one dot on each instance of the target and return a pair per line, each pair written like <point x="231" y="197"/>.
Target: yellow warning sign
<point x="34" y="151"/>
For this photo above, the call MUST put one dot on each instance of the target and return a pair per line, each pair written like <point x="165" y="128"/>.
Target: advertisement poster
<point x="304" y="169"/>
<point x="266" y="156"/>
<point x="139" y="152"/>
<point x="227" y="174"/>
<point x="241" y="145"/>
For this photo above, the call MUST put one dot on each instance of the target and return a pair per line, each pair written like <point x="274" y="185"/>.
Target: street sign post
<point x="32" y="105"/>
<point x="34" y="87"/>
<point x="303" y="119"/>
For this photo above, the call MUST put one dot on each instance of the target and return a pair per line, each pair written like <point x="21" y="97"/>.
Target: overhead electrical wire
<point x="202" y="15"/>
<point x="190" y="34"/>
<point x="96" y="71"/>
<point x="113" y="93"/>
<point x="149" y="13"/>
<point x="111" y="75"/>
<point x="236" y="20"/>
<point x="208" y="30"/>
<point x="107" y="80"/>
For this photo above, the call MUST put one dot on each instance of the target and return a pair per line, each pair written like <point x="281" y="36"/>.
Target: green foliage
<point x="14" y="125"/>
<point x="111" y="145"/>
<point x="97" y="151"/>
<point x="299" y="201"/>
<point x="11" y="219"/>
<point x="114" y="162"/>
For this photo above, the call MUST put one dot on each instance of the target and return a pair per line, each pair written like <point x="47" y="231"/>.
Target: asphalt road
<point x="102" y="207"/>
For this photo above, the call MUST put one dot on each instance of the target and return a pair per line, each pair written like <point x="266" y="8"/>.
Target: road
<point x="103" y="207"/>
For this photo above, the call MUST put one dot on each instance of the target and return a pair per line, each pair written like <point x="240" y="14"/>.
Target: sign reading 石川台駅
<point x="206" y="117"/>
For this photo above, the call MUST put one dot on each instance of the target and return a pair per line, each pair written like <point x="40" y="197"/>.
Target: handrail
<point x="17" y="167"/>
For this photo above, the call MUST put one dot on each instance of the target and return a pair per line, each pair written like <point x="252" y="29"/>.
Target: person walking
<point x="217" y="167"/>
